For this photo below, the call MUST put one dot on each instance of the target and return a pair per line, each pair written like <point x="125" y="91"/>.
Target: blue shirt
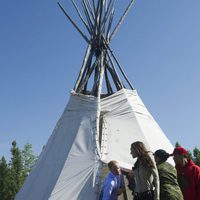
<point x="110" y="186"/>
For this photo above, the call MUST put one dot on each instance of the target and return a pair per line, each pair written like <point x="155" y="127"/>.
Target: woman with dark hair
<point x="145" y="173"/>
<point x="169" y="187"/>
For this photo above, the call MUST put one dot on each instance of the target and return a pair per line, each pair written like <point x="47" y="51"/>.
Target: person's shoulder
<point x="169" y="165"/>
<point x="166" y="166"/>
<point x="195" y="170"/>
<point x="108" y="177"/>
<point x="196" y="167"/>
<point x="109" y="180"/>
<point x="191" y="166"/>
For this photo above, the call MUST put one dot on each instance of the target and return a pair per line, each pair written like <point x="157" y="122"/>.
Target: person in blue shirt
<point x="113" y="184"/>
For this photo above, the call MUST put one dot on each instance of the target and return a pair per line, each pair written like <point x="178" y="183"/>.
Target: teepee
<point x="96" y="126"/>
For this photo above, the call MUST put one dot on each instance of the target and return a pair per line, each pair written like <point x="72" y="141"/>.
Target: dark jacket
<point x="169" y="187"/>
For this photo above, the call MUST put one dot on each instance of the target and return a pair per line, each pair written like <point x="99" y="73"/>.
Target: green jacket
<point x="169" y="188"/>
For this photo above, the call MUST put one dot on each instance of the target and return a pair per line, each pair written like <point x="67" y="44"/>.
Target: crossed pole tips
<point x="97" y="20"/>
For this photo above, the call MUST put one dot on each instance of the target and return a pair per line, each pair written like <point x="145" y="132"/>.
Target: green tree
<point x="13" y="175"/>
<point x="16" y="169"/>
<point x="28" y="159"/>
<point x="4" y="179"/>
<point x="177" y="144"/>
<point x="196" y="156"/>
<point x="190" y="155"/>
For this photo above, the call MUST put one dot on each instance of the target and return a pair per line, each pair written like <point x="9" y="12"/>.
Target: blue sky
<point x="158" y="46"/>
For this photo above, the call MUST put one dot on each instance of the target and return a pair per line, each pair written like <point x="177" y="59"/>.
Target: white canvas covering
<point x="69" y="167"/>
<point x="128" y="120"/>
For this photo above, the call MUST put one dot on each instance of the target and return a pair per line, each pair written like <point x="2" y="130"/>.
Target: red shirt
<point x="189" y="180"/>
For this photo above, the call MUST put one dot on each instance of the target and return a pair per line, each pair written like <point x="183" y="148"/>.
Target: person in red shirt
<point x="188" y="174"/>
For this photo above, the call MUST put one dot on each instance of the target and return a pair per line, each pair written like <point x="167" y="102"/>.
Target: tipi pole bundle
<point x="97" y="19"/>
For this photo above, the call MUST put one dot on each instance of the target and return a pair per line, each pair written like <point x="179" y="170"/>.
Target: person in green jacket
<point x="169" y="187"/>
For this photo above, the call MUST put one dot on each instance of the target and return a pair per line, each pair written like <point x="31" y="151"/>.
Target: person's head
<point x="137" y="149"/>
<point x="180" y="156"/>
<point x="114" y="167"/>
<point x="161" y="156"/>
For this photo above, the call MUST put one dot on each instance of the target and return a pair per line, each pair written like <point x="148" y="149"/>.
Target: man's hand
<point x="120" y="190"/>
